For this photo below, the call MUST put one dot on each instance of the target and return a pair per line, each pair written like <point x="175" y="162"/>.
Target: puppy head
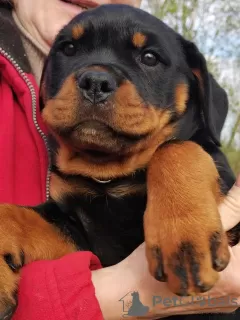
<point x="117" y="84"/>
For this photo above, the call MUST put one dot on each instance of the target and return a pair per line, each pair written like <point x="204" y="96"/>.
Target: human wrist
<point x="124" y="278"/>
<point x="113" y="288"/>
<point x="109" y="286"/>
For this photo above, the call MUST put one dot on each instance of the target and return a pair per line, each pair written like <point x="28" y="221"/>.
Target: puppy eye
<point x="69" y="49"/>
<point x="149" y="59"/>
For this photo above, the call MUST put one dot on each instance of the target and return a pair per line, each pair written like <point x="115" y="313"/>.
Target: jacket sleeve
<point x="59" y="290"/>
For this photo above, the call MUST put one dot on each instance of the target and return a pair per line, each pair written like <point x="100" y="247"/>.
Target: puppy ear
<point x="213" y="101"/>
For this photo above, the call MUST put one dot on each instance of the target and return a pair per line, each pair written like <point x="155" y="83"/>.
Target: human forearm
<point x="114" y="283"/>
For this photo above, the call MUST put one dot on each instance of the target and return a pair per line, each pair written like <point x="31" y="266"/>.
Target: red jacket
<point x="51" y="289"/>
<point x="59" y="290"/>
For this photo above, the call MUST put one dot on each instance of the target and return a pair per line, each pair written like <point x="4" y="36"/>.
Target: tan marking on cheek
<point x="77" y="31"/>
<point x="131" y="114"/>
<point x="144" y="150"/>
<point x="139" y="40"/>
<point x="181" y="97"/>
<point x="61" y="111"/>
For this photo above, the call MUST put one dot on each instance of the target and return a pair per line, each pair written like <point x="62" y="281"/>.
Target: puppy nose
<point x="97" y="86"/>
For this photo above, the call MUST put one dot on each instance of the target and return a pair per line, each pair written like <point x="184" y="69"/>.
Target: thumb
<point x="230" y="208"/>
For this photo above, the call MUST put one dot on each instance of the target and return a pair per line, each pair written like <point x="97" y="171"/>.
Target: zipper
<point x="34" y="112"/>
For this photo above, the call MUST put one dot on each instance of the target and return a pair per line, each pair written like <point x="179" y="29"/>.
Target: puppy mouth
<point x="95" y="154"/>
<point x="95" y="142"/>
<point x="98" y="142"/>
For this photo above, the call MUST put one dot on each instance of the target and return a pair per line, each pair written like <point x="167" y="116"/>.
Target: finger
<point x="230" y="208"/>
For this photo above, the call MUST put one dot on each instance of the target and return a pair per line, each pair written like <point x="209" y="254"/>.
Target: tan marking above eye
<point x="139" y="39"/>
<point x="77" y="31"/>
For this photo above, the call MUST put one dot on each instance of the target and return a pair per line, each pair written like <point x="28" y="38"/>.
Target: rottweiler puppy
<point x="135" y="120"/>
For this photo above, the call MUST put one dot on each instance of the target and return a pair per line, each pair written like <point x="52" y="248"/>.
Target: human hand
<point x="43" y="19"/>
<point x="132" y="275"/>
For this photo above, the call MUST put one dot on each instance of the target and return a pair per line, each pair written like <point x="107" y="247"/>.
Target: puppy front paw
<point x="187" y="256"/>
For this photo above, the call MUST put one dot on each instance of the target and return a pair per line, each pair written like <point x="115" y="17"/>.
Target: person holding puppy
<point x="74" y="287"/>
